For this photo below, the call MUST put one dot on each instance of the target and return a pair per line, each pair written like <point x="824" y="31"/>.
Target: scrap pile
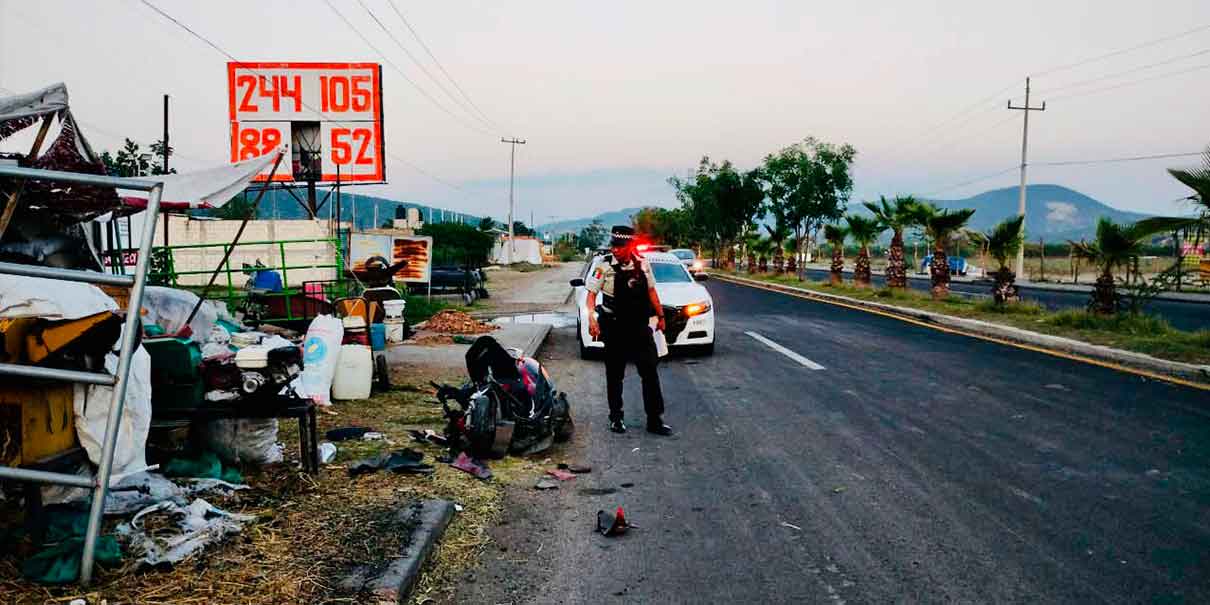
<point x="456" y="322"/>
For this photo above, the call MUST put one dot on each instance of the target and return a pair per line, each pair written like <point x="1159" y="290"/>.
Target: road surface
<point x="915" y="467"/>
<point x="1182" y="315"/>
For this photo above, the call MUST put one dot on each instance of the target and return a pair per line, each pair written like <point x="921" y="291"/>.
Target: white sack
<point x="92" y="412"/>
<point x="169" y="308"/>
<point x="50" y="299"/>
<point x="243" y="441"/>
<point x="321" y="349"/>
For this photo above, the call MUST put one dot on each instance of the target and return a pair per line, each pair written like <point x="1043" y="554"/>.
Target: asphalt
<point x="1183" y="315"/>
<point x="916" y="467"/>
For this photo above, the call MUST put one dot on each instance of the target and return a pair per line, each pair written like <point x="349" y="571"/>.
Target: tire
<point x="584" y="352"/>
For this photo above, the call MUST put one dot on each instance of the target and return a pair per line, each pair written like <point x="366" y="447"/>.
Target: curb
<point x="395" y="583"/>
<point x="535" y="344"/>
<point x="1193" y="375"/>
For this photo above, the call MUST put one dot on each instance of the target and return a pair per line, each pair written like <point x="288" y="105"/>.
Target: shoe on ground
<point x="617" y="426"/>
<point x="659" y="428"/>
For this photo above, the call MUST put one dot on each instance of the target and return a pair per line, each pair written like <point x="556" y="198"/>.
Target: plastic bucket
<point x="378" y="337"/>
<point x="394" y="308"/>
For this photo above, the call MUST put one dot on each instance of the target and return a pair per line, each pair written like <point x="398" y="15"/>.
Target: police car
<point x="688" y="308"/>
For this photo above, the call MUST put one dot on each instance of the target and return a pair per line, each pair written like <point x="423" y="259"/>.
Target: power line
<point x="320" y="113"/>
<point x="973" y="181"/>
<point x="1115" y="53"/>
<point x="418" y="64"/>
<point x="388" y="61"/>
<point x="1130" y="71"/>
<point x="954" y="117"/>
<point x="438" y="63"/>
<point x="1133" y="82"/>
<point x="1115" y="160"/>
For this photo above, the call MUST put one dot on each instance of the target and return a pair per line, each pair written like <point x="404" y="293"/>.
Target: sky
<point x="615" y="97"/>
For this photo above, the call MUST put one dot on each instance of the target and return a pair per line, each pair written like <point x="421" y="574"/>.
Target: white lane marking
<point x="784" y="351"/>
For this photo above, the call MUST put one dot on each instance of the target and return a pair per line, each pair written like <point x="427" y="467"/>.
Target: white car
<point x="689" y="259"/>
<point x="688" y="308"/>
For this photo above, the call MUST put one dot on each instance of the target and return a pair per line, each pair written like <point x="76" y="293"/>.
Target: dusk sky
<point x="615" y="97"/>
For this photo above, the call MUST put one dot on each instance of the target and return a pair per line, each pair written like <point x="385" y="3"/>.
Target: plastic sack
<point x="321" y="350"/>
<point x="169" y="308"/>
<point x="243" y="441"/>
<point x="50" y="299"/>
<point x="92" y="412"/>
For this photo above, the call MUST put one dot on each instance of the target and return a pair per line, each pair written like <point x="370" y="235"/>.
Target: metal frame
<point x="100" y="482"/>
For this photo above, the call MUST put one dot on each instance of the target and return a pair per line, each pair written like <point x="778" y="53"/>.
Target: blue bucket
<point x="378" y="337"/>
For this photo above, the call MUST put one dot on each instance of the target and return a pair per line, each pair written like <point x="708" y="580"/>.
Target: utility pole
<point x="165" y="152"/>
<point x="1024" y="162"/>
<point x="512" y="168"/>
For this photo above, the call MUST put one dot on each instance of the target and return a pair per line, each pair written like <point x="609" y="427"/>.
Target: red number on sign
<point x="342" y="151"/>
<point x="342" y="148"/>
<point x="361" y="96"/>
<point x="283" y="85"/>
<point x="254" y="143"/>
<point x="268" y="90"/>
<point x="323" y="93"/>
<point x="245" y="103"/>
<point x="339" y="91"/>
<point x="363" y="135"/>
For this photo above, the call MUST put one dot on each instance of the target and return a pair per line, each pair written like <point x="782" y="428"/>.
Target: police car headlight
<point x="697" y="308"/>
<point x="697" y="265"/>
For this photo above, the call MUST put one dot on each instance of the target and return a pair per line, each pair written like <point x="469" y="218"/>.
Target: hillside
<point x="616" y="217"/>
<point x="280" y="204"/>
<point x="1053" y="212"/>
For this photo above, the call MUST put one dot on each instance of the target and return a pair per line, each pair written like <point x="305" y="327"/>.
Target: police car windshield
<point x="667" y="273"/>
<point x="683" y="254"/>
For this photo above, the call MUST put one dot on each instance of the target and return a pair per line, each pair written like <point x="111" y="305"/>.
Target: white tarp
<point x="92" y="413"/>
<point x="50" y="299"/>
<point x="528" y="250"/>
<point x="37" y="103"/>
<point x="209" y="188"/>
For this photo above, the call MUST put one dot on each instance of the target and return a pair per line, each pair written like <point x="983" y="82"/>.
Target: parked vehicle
<point x="688" y="307"/>
<point x="689" y="259"/>
<point x="508" y="405"/>
<point x="957" y="265"/>
<point x="471" y="283"/>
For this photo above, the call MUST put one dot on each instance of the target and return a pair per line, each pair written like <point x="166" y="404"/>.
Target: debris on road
<point x="196" y="526"/>
<point x="470" y="465"/>
<point x="578" y="469"/>
<point x="327" y="452"/>
<point x="346" y="433"/>
<point x="457" y="322"/>
<point x="612" y="525"/>
<point x="546" y="483"/>
<point x="400" y="461"/>
<point x="627" y="485"/>
<point x="429" y="436"/>
<point x="791" y="526"/>
<point x="561" y="475"/>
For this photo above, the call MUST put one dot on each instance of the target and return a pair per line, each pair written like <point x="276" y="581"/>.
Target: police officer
<point x="625" y="283"/>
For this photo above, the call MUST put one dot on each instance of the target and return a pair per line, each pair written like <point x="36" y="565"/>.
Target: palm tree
<point x="751" y="239"/>
<point x="897" y="215"/>
<point x="791" y="248"/>
<point x="1002" y="243"/>
<point x="777" y="235"/>
<point x="939" y="226"/>
<point x="1193" y="228"/>
<point x="762" y="247"/>
<point x="835" y="234"/>
<point x="864" y="231"/>
<point x="1114" y="246"/>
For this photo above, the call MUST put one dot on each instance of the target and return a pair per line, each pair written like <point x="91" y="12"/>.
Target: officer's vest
<point x="630" y="302"/>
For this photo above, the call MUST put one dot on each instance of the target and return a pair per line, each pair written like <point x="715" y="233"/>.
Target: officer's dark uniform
<point x="624" y="318"/>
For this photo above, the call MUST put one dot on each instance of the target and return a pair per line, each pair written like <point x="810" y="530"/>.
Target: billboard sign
<point x="328" y="114"/>
<point x="417" y="250"/>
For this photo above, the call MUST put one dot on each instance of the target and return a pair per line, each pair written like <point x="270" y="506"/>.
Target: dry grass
<point x="311" y="531"/>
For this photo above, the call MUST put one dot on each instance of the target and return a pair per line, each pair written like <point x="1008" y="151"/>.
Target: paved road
<point x="918" y="466"/>
<point x="1182" y="315"/>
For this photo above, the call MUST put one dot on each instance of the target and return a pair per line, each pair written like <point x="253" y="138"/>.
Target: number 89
<point x="254" y="142"/>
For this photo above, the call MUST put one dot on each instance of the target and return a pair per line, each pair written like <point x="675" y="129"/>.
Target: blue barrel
<point x="378" y="337"/>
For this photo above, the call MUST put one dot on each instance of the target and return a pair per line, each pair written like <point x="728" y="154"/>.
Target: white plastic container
<point x="353" y="322"/>
<point x="354" y="373"/>
<point x="394" y="330"/>
<point x="394" y="308"/>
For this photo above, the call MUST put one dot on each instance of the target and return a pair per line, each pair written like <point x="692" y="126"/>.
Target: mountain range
<point x="1053" y="212"/>
<point x="280" y="204"/>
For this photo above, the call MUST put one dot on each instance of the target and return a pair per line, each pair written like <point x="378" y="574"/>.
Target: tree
<point x="520" y="230"/>
<point x="835" y="234"/>
<point x="864" y="231"/>
<point x="1114" y="246"/>
<point x="762" y="247"/>
<point x="157" y="161"/>
<point x="939" y="226"/>
<point x="897" y="215"/>
<point x="592" y="237"/>
<point x="237" y="209"/>
<point x="1194" y="228"/>
<point x="664" y="226"/>
<point x="719" y="201"/>
<point x="458" y="243"/>
<point x="1002" y="242"/>
<point x="486" y="224"/>
<point x="808" y="184"/>
<point x="778" y="234"/>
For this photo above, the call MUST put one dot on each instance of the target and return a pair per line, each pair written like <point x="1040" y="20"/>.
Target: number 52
<point x="342" y="143"/>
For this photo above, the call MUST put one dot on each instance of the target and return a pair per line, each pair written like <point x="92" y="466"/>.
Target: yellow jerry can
<point x="36" y="422"/>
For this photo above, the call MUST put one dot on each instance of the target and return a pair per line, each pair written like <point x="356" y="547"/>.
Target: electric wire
<point x="441" y="67"/>
<point x="1082" y="93"/>
<point x="1128" y="71"/>
<point x="1116" y="160"/>
<point x="403" y="74"/>
<point x="420" y="65"/>
<point x="1123" y="51"/>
